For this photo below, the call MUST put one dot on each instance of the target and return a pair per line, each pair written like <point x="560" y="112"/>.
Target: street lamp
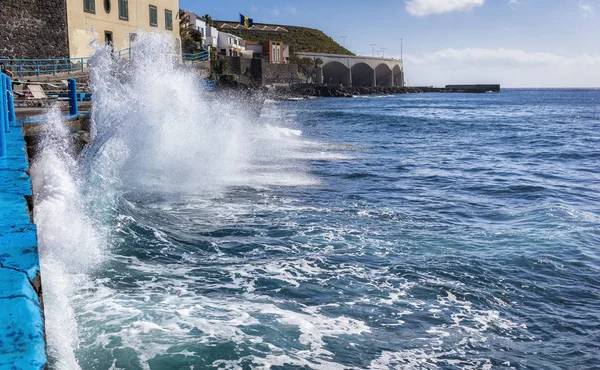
<point x="401" y="42"/>
<point x="373" y="47"/>
<point x="383" y="52"/>
<point x="344" y="38"/>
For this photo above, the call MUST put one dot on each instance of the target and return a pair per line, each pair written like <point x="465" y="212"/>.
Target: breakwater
<point x="22" y="344"/>
<point x="339" y="91"/>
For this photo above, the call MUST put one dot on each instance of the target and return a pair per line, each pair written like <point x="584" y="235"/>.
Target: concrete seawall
<point x="22" y="343"/>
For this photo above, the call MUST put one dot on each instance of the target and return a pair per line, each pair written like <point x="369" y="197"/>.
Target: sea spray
<point x="70" y="244"/>
<point x="154" y="131"/>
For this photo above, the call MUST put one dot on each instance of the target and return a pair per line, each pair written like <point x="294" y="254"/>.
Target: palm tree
<point x="317" y="63"/>
<point x="209" y="20"/>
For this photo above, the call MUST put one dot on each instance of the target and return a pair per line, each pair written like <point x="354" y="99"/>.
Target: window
<point x="107" y="6"/>
<point x="168" y="19"/>
<point x="89" y="6"/>
<point x="153" y="16"/>
<point x="124" y="10"/>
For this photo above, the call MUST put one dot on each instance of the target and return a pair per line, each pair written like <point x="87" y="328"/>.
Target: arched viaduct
<point x="349" y="70"/>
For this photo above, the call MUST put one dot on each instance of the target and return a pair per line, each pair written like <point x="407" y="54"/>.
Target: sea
<point x="414" y="231"/>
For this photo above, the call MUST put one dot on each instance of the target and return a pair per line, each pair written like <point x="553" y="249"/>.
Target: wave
<point x="154" y="131"/>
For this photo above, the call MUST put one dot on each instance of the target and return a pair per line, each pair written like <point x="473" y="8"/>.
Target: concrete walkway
<point x="22" y="344"/>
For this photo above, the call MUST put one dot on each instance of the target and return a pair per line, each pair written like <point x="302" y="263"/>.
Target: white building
<point x="226" y="43"/>
<point x="210" y="34"/>
<point x="230" y="45"/>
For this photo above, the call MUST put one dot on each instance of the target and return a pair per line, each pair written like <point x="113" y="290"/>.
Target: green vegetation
<point x="191" y="38"/>
<point x="307" y="67"/>
<point x="300" y="39"/>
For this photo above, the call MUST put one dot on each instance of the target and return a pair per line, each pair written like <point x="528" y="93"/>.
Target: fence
<point x="208" y="85"/>
<point x="37" y="67"/>
<point x="8" y="116"/>
<point x="7" y="111"/>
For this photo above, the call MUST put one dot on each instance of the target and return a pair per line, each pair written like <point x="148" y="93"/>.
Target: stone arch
<point x="363" y="75"/>
<point x="398" y="76"/>
<point x="383" y="75"/>
<point x="336" y="73"/>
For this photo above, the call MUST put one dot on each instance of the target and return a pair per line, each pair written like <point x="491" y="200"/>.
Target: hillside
<point x="300" y="39"/>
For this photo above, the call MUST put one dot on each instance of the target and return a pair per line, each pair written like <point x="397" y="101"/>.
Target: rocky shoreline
<point x="311" y="90"/>
<point x="295" y="92"/>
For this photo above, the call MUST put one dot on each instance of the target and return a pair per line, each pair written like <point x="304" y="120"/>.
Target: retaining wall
<point x="261" y="71"/>
<point x="34" y="29"/>
<point x="22" y="345"/>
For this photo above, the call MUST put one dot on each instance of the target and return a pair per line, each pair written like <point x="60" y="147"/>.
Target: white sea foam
<point x="153" y="129"/>
<point x="156" y="132"/>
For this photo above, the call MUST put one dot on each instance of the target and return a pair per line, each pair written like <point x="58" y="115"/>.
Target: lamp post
<point x="373" y="49"/>
<point x="401" y="42"/>
<point x="383" y="52"/>
<point x="344" y="38"/>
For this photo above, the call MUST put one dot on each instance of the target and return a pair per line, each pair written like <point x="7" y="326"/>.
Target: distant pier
<point x="480" y="88"/>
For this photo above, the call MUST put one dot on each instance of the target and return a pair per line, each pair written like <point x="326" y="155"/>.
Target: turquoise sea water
<point x="418" y="231"/>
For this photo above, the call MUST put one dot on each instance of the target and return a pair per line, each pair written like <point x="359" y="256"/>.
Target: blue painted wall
<point x="22" y="344"/>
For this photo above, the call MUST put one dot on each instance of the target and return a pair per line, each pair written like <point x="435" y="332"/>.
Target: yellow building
<point x="117" y="22"/>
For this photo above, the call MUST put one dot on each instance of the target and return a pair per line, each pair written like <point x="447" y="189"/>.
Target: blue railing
<point x="36" y="67"/>
<point x="53" y="66"/>
<point x="7" y="111"/>
<point x="198" y="57"/>
<point x="7" y="107"/>
<point x="208" y="85"/>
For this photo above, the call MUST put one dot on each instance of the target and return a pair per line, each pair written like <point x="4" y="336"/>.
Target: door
<point x="108" y="40"/>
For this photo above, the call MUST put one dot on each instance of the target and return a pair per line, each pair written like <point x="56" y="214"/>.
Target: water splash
<point x="70" y="243"/>
<point x="175" y="136"/>
<point x="153" y="130"/>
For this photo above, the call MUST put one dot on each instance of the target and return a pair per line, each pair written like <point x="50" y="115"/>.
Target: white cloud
<point x="289" y="9"/>
<point x="513" y="3"/>
<point x="254" y="9"/>
<point x="502" y="57"/>
<point x="587" y="11"/>
<point x="421" y="8"/>
<point x="510" y="67"/>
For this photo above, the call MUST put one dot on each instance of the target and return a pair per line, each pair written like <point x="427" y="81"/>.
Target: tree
<point x="219" y="67"/>
<point x="209" y="20"/>
<point x="191" y="38"/>
<point x="317" y="63"/>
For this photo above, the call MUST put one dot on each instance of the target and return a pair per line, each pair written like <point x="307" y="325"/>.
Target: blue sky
<point x="518" y="43"/>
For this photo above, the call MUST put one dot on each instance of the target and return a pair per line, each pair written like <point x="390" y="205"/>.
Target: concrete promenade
<point x="22" y="344"/>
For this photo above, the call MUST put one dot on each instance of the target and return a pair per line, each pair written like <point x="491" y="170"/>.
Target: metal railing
<point x="53" y="66"/>
<point x="7" y="111"/>
<point x="37" y="67"/>
<point x="208" y="85"/>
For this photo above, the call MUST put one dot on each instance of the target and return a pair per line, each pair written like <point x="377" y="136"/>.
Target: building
<point x="117" y="22"/>
<point x="230" y="45"/>
<point x="255" y="47"/>
<point x="274" y="52"/>
<point x="210" y="34"/>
